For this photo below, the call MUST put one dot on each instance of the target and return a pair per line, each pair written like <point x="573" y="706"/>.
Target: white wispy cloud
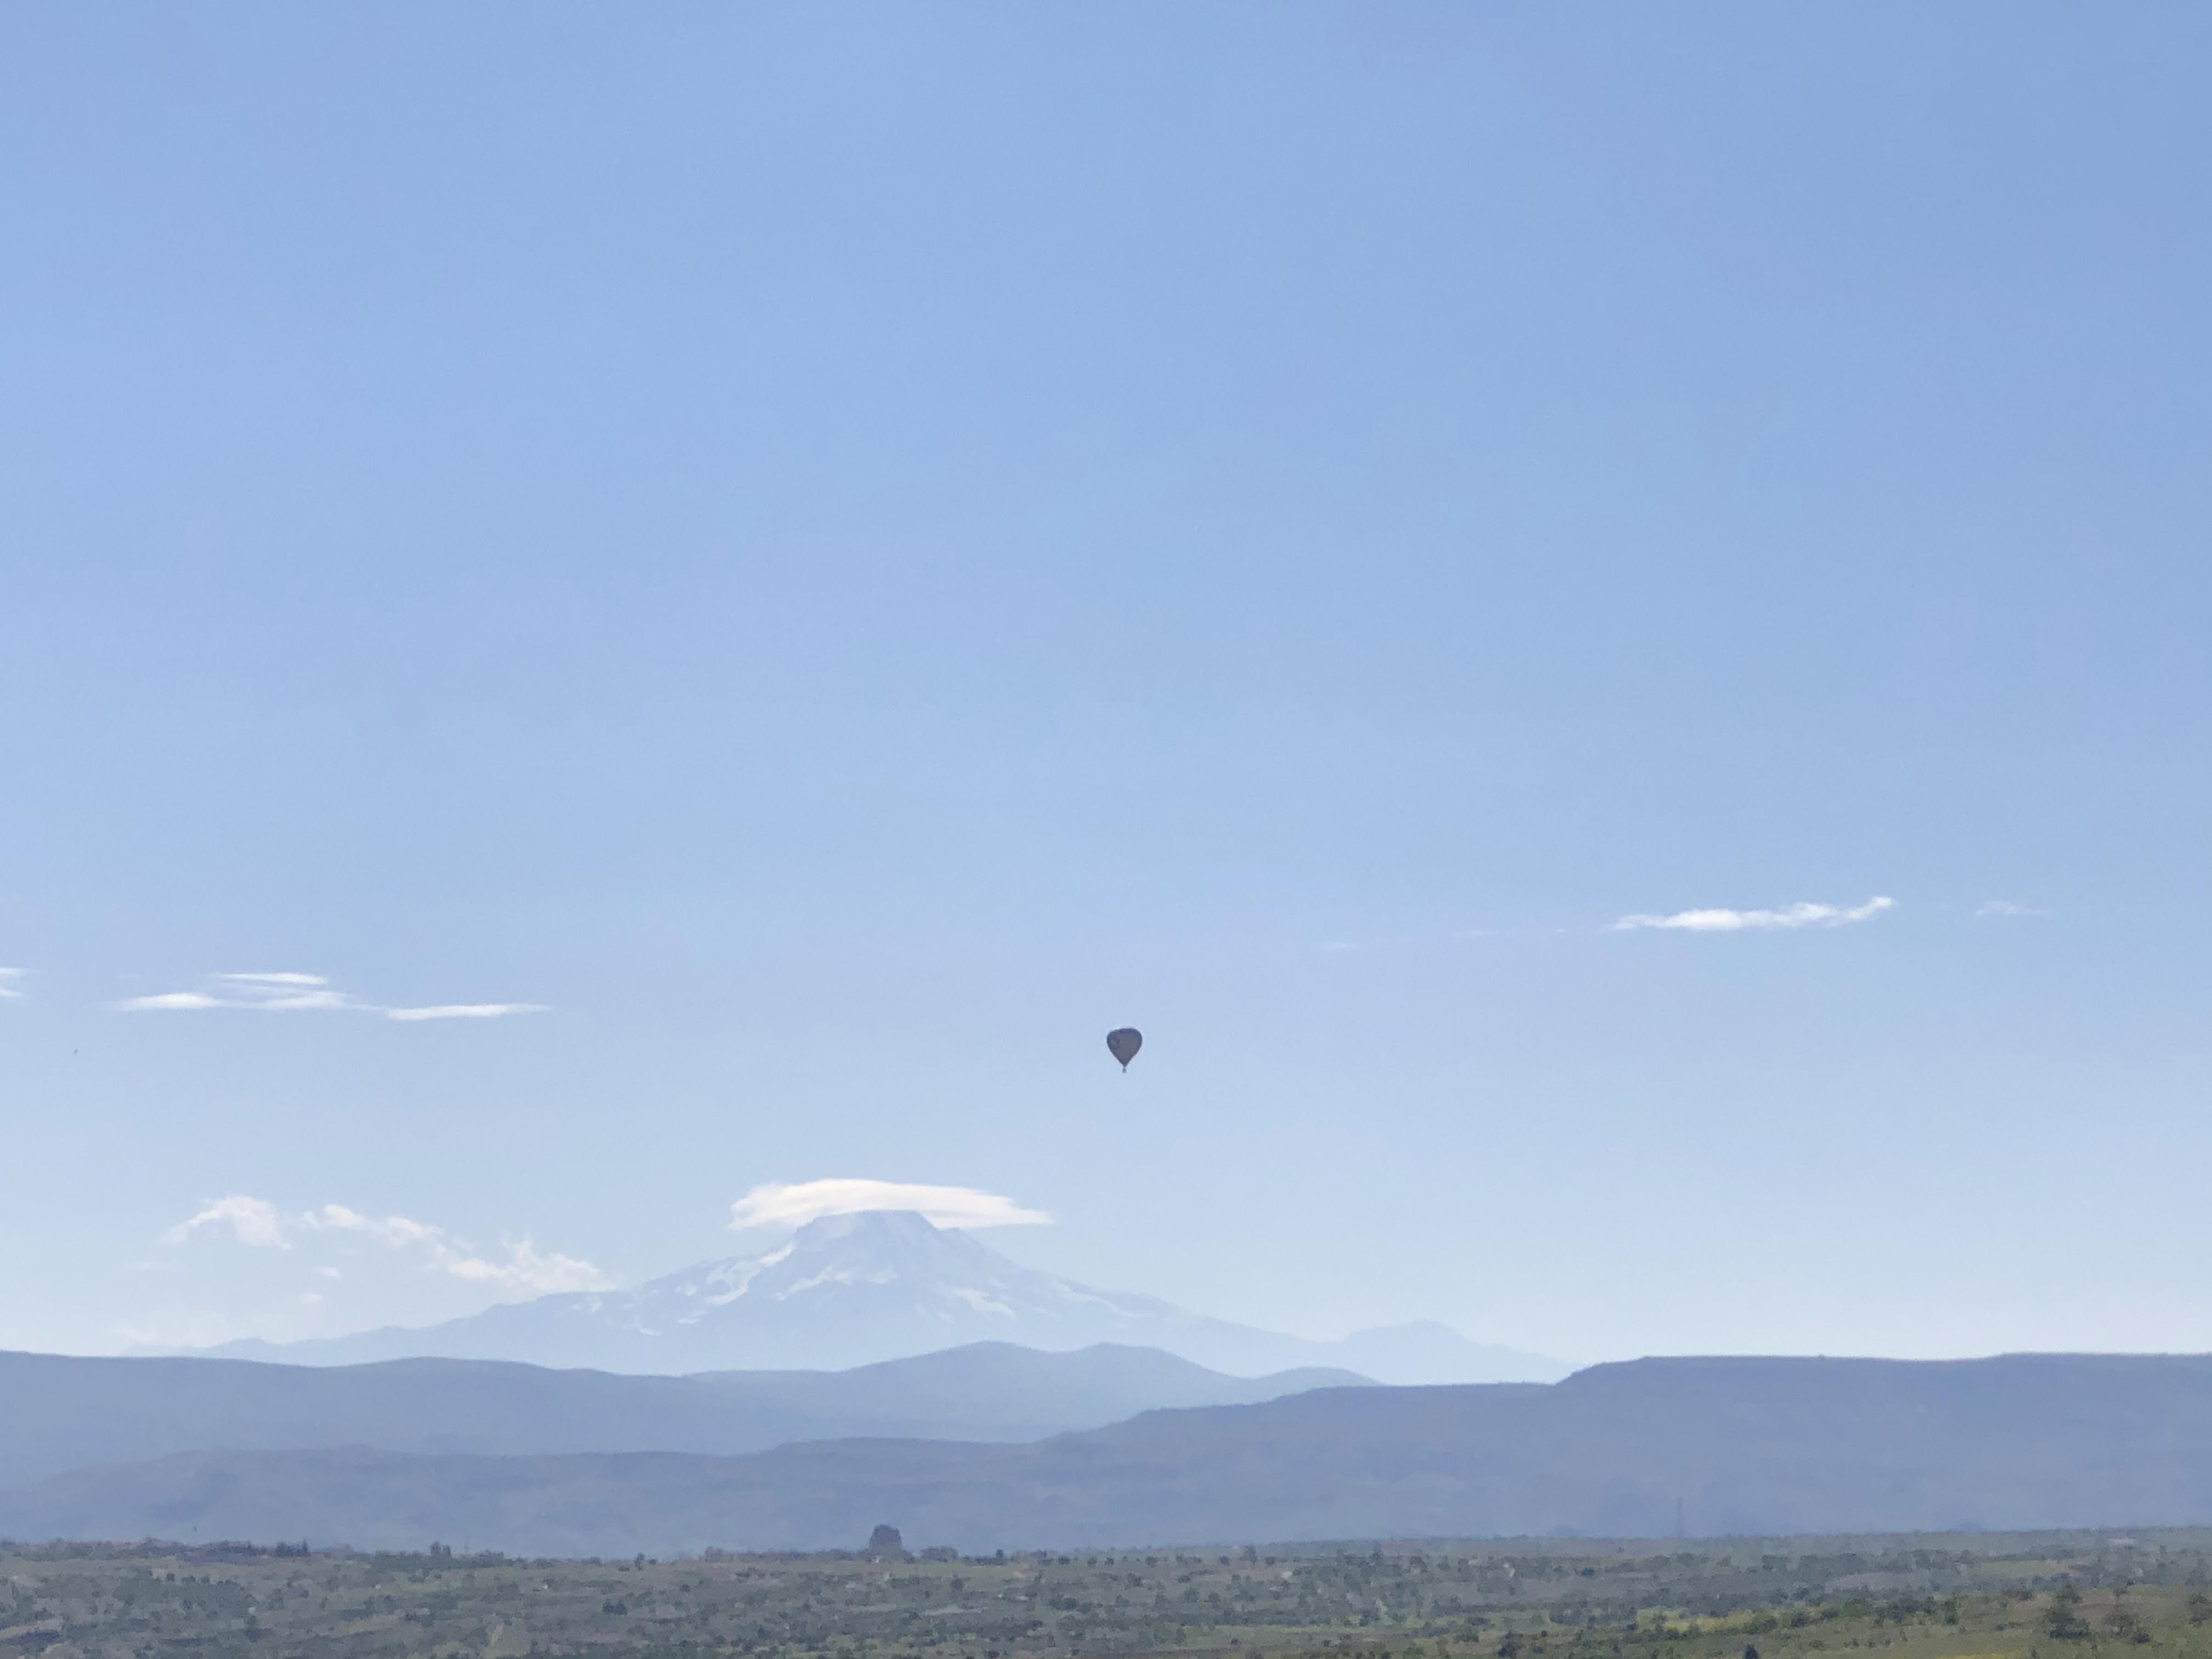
<point x="298" y="992"/>
<point x="523" y="1267"/>
<point x="305" y="1000"/>
<point x="171" y="999"/>
<point x="274" y="992"/>
<point x="791" y="1204"/>
<point x="397" y="1231"/>
<point x="281" y="992"/>
<point x="1802" y="914"/>
<point x="253" y="1221"/>
<point x="464" y="1011"/>
<point x="8" y="976"/>
<point x="2006" y="908"/>
<point x="541" y="1273"/>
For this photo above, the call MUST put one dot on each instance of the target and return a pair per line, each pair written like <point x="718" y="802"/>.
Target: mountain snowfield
<point x="853" y="1289"/>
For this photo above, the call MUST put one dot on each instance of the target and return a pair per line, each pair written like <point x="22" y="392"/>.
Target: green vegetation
<point x="2024" y="1596"/>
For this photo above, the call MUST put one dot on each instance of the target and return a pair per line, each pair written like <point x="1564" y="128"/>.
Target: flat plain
<point x="1918" y="1596"/>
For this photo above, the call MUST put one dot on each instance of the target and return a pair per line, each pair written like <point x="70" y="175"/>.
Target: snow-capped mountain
<point x="852" y="1289"/>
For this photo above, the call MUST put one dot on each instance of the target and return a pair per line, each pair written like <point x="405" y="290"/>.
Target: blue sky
<point x="821" y="557"/>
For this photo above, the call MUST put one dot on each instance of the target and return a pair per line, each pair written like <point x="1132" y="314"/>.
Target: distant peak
<point x="888" y="1223"/>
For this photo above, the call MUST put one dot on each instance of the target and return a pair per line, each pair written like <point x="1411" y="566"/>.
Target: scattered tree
<point x="2062" y="1619"/>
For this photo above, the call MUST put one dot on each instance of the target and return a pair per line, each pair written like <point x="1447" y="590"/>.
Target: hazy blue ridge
<point x="1710" y="1446"/>
<point x="59" y="1413"/>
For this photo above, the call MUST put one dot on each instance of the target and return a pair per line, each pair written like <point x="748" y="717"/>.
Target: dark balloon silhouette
<point x="1124" y="1043"/>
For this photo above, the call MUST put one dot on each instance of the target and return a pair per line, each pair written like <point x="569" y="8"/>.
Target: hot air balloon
<point x="1123" y="1044"/>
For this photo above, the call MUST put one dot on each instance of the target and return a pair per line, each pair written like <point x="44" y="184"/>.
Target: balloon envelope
<point x="1124" y="1043"/>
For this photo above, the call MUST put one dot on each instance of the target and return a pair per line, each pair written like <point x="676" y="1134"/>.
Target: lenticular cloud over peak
<point x="794" y="1204"/>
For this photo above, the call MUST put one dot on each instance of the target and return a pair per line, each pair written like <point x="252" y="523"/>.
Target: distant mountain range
<point x="1740" y="1447"/>
<point x="58" y="1413"/>
<point x="854" y="1289"/>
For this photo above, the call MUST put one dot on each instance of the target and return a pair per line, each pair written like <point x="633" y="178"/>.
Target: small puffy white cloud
<point x="2006" y="908"/>
<point x="8" y="976"/>
<point x="464" y="1011"/>
<point x="782" y="1204"/>
<point x="1802" y="914"/>
<point x="253" y="1221"/>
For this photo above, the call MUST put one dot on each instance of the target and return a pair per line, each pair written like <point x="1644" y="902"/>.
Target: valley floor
<point x="1923" y="1596"/>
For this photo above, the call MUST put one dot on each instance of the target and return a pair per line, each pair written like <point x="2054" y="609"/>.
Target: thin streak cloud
<point x="464" y="1011"/>
<point x="1802" y="914"/>
<point x="277" y="992"/>
<point x="299" y="992"/>
<point x="171" y="999"/>
<point x="8" y="975"/>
